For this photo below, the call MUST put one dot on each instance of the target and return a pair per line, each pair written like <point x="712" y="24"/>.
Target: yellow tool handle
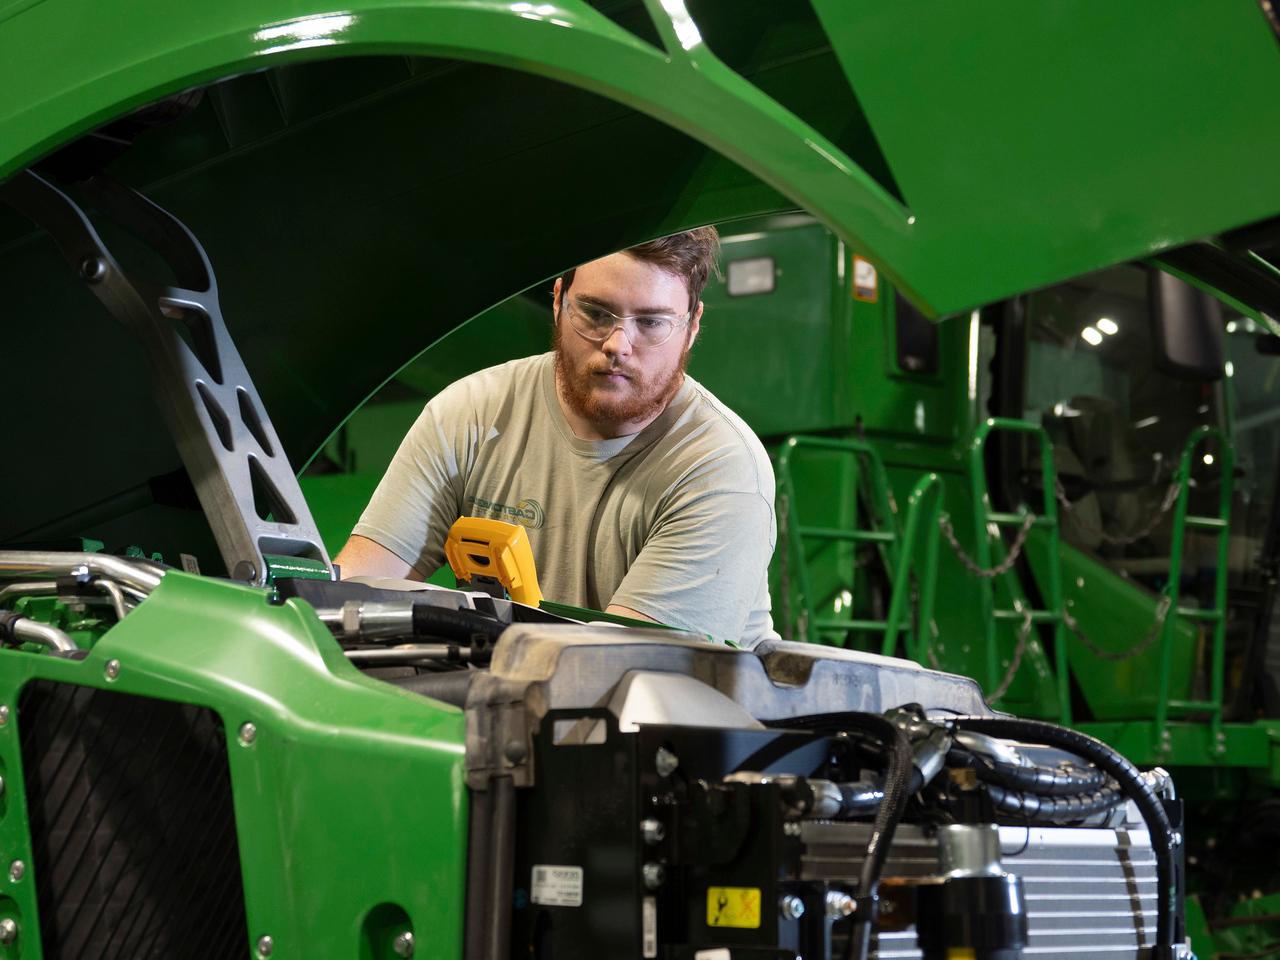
<point x="477" y="546"/>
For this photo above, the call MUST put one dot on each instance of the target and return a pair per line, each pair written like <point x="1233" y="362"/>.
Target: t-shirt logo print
<point x="527" y="513"/>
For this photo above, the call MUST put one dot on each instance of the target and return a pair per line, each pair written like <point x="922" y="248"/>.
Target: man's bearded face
<point x="619" y="386"/>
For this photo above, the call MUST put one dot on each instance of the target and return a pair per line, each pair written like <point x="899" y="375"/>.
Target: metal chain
<point x="1024" y="634"/>
<point x="1003" y="567"/>
<point x="1152" y="635"/>
<point x="1170" y="498"/>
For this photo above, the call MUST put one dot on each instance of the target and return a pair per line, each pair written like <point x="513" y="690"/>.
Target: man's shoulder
<point x="497" y="383"/>
<point x="712" y="436"/>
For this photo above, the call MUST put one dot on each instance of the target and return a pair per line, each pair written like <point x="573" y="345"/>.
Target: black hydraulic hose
<point x="897" y="780"/>
<point x="1033" y="778"/>
<point x="1037" y="809"/>
<point x="479" y="862"/>
<point x="503" y="862"/>
<point x="1163" y="838"/>
<point x="461" y="626"/>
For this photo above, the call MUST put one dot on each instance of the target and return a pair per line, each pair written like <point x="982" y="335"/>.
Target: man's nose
<point x="618" y="342"/>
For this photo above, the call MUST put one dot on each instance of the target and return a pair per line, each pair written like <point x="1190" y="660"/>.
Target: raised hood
<point x="363" y="180"/>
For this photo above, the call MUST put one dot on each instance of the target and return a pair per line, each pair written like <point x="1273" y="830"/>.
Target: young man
<point x="642" y="494"/>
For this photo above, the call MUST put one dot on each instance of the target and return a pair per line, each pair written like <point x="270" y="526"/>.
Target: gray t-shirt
<point x="675" y="521"/>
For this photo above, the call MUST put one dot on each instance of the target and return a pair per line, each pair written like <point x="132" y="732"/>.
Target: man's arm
<point x="362" y="557"/>
<point x="621" y="611"/>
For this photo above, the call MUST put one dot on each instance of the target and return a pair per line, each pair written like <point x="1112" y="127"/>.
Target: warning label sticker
<point x="556" y="886"/>
<point x="733" y="907"/>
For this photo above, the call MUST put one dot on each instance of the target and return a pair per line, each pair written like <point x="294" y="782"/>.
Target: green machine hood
<point x="364" y="179"/>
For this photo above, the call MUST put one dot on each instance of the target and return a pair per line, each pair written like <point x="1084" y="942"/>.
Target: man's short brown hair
<point x="690" y="255"/>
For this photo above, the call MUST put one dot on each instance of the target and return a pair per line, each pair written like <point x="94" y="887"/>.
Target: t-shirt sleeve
<point x="704" y="565"/>
<point x="420" y="496"/>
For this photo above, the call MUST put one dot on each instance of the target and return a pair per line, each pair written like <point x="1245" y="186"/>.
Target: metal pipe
<point x="421" y="651"/>
<point x="36" y="632"/>
<point x="28" y="588"/>
<point x="116" y="595"/>
<point x="25" y="563"/>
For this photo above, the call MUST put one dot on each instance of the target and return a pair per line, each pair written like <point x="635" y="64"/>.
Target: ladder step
<point x="1195" y="613"/>
<point x="1017" y="520"/>
<point x="852" y="536"/>
<point x="1206" y="523"/>
<point x="1194" y="706"/>
<point x="833" y="623"/>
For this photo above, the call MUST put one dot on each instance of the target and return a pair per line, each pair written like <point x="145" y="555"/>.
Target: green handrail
<point x="889" y="541"/>
<point x="985" y="517"/>
<point x="920" y="536"/>
<point x="1221" y="524"/>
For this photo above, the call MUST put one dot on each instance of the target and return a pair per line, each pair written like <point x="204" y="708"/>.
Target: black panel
<point x="132" y="826"/>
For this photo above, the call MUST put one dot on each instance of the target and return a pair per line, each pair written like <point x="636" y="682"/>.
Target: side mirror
<point x="1187" y="331"/>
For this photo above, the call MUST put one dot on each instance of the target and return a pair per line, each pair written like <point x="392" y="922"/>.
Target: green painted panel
<point x="336" y="758"/>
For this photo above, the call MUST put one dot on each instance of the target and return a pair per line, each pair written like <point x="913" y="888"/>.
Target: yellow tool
<point x="477" y="546"/>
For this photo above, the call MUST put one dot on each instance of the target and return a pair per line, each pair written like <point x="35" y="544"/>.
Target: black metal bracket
<point x="231" y="451"/>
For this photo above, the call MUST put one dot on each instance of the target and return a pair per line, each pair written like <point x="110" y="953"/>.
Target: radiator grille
<point x="132" y="826"/>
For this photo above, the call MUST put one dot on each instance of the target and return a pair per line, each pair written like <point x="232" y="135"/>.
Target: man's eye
<point x="651" y="323"/>
<point x="597" y="318"/>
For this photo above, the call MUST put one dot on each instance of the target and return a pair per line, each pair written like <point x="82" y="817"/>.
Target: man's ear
<point x="695" y="324"/>
<point x="555" y="297"/>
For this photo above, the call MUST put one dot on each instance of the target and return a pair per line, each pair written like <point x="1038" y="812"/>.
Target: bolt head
<point x="248" y="734"/>
<point x="791" y="907"/>
<point x="403" y="945"/>
<point x="4" y="714"/>
<point x="17" y="870"/>
<point x="654" y="875"/>
<point x="666" y="762"/>
<point x="8" y="930"/>
<point x="840" y="905"/>
<point x="266" y="946"/>
<point x="112" y="669"/>
<point x="93" y="269"/>
<point x="652" y="830"/>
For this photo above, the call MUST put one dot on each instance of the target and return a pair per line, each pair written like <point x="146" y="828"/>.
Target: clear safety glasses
<point x="596" y="323"/>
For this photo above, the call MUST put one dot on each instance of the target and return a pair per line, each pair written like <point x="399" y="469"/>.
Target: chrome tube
<point x="37" y="632"/>
<point x="143" y="577"/>
<point x="116" y="595"/>
<point x="28" y="588"/>
<point x="422" y="651"/>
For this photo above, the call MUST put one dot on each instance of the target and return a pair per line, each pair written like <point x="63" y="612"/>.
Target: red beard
<point x="639" y="400"/>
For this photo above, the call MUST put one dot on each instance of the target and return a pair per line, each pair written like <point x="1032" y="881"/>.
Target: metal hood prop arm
<point x="227" y="443"/>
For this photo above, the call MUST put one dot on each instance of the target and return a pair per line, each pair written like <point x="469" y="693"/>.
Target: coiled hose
<point x="1163" y="838"/>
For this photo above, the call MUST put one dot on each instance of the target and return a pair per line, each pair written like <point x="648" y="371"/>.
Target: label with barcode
<point x="556" y="886"/>
<point x="649" y="927"/>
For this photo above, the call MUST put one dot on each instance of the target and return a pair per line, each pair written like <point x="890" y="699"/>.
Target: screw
<point x="248" y="734"/>
<point x="652" y="830"/>
<point x="265" y="946"/>
<point x="791" y="907"/>
<point x="8" y="930"/>
<point x="17" y="870"/>
<point x="840" y="905"/>
<point x="666" y="762"/>
<point x="403" y="945"/>
<point x="112" y="669"/>
<point x="93" y="269"/>
<point x="654" y="875"/>
<point x="4" y="714"/>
